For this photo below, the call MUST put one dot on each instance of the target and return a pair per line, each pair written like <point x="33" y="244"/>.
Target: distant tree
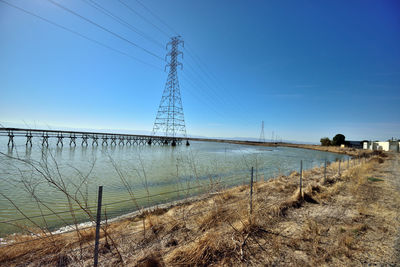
<point x="325" y="141"/>
<point x="338" y="140"/>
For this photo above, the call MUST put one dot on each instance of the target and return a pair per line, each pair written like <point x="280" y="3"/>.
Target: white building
<point x="384" y="146"/>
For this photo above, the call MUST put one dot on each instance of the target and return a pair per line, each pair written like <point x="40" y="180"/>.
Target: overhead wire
<point x="105" y="29"/>
<point x="214" y="99"/>
<point x="200" y="78"/>
<point x="210" y="102"/>
<point x="217" y="97"/>
<point x="144" y="18"/>
<point x="174" y="31"/>
<point x="157" y="17"/>
<point x="227" y="95"/>
<point x="123" y="22"/>
<point x="79" y="34"/>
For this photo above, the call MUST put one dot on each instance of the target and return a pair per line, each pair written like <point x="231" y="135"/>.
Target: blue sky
<point x="307" y="68"/>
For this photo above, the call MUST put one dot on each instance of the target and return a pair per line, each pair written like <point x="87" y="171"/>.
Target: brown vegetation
<point x="349" y="219"/>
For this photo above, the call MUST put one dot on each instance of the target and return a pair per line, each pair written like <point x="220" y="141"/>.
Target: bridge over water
<point x="86" y="138"/>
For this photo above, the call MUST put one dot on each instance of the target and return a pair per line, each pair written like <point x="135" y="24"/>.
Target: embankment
<point x="334" y="149"/>
<point x="346" y="219"/>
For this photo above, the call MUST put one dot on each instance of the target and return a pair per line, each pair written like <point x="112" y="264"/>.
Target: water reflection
<point x="84" y="151"/>
<point x="28" y="152"/>
<point x="71" y="152"/>
<point x="59" y="150"/>
<point x="10" y="150"/>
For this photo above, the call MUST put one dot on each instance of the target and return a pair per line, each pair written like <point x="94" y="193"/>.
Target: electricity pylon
<point x="262" y="137"/>
<point x="170" y="120"/>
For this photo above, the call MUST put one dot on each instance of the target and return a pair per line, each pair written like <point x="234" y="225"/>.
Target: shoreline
<point x="86" y="224"/>
<point x="69" y="231"/>
<point x="148" y="223"/>
<point x="333" y="149"/>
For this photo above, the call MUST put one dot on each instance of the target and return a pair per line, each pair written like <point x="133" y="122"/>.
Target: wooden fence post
<point x="301" y="178"/>
<point x="251" y="192"/>
<point x="98" y="220"/>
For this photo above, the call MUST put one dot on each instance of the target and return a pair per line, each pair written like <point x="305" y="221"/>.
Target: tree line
<point x="337" y="140"/>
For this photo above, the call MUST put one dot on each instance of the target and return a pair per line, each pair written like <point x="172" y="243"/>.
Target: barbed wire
<point x="84" y="228"/>
<point x="91" y="226"/>
<point x="119" y="201"/>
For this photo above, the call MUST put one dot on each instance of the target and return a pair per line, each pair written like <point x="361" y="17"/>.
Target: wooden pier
<point x="74" y="138"/>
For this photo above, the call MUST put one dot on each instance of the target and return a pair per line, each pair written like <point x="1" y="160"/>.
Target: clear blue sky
<point x="307" y="68"/>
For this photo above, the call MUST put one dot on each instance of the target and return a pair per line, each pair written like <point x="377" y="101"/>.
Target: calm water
<point x="132" y="176"/>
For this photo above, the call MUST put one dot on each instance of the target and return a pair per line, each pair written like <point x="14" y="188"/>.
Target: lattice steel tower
<point x="170" y="120"/>
<point x="262" y="137"/>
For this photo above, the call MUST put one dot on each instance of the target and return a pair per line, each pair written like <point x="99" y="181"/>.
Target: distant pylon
<point x="170" y="119"/>
<point x="262" y="137"/>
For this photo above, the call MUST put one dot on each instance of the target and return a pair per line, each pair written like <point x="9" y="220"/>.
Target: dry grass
<point x="211" y="248"/>
<point x="346" y="220"/>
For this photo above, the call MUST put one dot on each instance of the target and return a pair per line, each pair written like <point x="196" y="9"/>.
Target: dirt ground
<point x="351" y="219"/>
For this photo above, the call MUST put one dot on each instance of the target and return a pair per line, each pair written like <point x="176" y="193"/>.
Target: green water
<point x="32" y="181"/>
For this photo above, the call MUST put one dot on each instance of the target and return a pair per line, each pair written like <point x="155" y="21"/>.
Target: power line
<point x="105" y="29"/>
<point x="157" y="17"/>
<point x="200" y="88"/>
<point x="168" y="26"/>
<point x="212" y="107"/>
<point x="79" y="34"/>
<point x="195" y="61"/>
<point x="216" y="96"/>
<point x="212" y="77"/>
<point x="144" y="18"/>
<point x="121" y="21"/>
<point x="207" y="85"/>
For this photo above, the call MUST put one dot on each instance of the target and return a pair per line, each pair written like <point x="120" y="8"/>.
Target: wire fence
<point x="189" y="193"/>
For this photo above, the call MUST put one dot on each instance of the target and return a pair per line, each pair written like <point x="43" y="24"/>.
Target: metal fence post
<point x="325" y="172"/>
<point x="301" y="178"/>
<point x="251" y="192"/>
<point x="348" y="163"/>
<point x="339" y="166"/>
<point x="98" y="219"/>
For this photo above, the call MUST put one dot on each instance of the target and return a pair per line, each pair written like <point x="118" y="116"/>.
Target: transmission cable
<point x="79" y="34"/>
<point x="217" y="96"/>
<point x="193" y="57"/>
<point x="105" y="29"/>
<point x="144" y="18"/>
<point x="215" y="81"/>
<point x="157" y="17"/>
<point x="123" y="22"/>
